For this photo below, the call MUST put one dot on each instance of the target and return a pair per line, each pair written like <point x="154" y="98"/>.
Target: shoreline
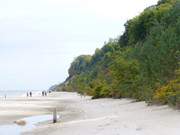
<point x="19" y="107"/>
<point x="85" y="116"/>
<point x="17" y="93"/>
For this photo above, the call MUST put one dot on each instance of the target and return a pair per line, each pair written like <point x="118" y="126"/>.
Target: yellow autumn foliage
<point x="169" y="93"/>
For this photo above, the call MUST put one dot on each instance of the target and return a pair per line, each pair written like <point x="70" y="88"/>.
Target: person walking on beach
<point x="45" y="93"/>
<point x="42" y="93"/>
<point x="30" y="93"/>
<point x="27" y="94"/>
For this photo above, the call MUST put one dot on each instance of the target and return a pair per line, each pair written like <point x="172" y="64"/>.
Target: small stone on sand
<point x="20" y="122"/>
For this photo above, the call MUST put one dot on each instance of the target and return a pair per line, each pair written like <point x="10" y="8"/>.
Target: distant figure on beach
<point x="30" y="93"/>
<point x="45" y="93"/>
<point x="27" y="94"/>
<point x="5" y="96"/>
<point x="42" y="93"/>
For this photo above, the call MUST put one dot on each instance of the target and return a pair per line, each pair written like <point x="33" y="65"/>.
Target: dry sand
<point x="83" y="116"/>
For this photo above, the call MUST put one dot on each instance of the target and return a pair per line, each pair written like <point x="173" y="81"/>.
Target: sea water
<point x="16" y="93"/>
<point x="15" y="129"/>
<point x="11" y="92"/>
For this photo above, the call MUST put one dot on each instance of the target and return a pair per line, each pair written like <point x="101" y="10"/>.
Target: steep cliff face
<point x="139" y="64"/>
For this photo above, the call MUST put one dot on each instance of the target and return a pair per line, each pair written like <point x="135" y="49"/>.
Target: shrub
<point x="169" y="93"/>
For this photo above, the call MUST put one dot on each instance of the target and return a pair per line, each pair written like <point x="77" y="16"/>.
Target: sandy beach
<point x="83" y="116"/>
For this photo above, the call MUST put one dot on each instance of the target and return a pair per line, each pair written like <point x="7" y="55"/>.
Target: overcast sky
<point x="40" y="38"/>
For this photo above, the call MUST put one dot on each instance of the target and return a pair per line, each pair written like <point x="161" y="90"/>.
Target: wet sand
<point x="16" y="108"/>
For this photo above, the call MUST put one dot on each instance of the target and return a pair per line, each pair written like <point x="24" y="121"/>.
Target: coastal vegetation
<point x="143" y="63"/>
